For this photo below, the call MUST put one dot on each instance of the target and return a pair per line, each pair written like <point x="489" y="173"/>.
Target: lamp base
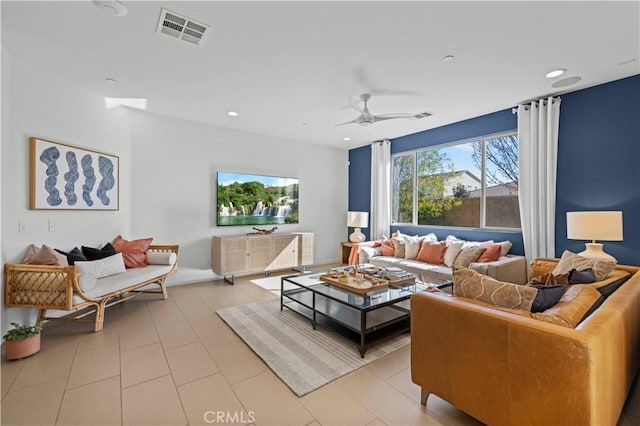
<point x="357" y="236"/>
<point x="594" y="251"/>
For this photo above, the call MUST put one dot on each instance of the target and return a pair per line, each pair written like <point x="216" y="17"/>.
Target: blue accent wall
<point x="497" y="122"/>
<point x="598" y="164"/>
<point x="359" y="183"/>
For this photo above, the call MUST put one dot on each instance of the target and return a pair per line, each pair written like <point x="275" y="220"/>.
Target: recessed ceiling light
<point x="448" y="58"/>
<point x="556" y="73"/>
<point x="111" y="7"/>
<point x="566" y="81"/>
<point x="110" y="80"/>
<point x="232" y="113"/>
<point x="137" y="103"/>
<point x="346" y="139"/>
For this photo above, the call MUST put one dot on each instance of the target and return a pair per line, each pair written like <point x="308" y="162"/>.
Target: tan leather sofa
<point x="507" y="368"/>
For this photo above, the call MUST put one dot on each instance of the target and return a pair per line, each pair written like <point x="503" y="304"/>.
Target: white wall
<point x="36" y="103"/>
<point x="167" y="175"/>
<point x="174" y="186"/>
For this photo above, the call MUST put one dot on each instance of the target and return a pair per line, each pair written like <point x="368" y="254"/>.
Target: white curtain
<point x="380" y="189"/>
<point x="537" y="157"/>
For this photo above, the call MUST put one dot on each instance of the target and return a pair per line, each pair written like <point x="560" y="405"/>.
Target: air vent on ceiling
<point x="181" y="27"/>
<point x="422" y="115"/>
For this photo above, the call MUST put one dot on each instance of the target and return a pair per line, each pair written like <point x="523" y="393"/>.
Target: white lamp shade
<point x="594" y="225"/>
<point x="358" y="219"/>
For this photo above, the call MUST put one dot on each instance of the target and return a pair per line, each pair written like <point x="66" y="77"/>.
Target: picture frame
<point x="66" y="177"/>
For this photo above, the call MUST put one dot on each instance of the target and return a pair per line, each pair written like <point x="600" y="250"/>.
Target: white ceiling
<point x="282" y="64"/>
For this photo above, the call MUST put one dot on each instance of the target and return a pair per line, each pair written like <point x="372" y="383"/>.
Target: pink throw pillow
<point x="133" y="252"/>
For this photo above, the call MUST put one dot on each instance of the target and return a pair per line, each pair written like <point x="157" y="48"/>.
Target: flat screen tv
<point x="245" y="199"/>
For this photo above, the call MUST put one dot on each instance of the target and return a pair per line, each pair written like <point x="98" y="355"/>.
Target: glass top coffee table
<point x="361" y="318"/>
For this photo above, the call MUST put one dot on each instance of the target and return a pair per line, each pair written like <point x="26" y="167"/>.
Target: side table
<point x="345" y="251"/>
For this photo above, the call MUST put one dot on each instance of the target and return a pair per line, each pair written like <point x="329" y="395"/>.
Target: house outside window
<point x="472" y="183"/>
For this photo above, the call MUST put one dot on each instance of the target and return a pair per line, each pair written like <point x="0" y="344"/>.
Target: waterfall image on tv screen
<point x="245" y="199"/>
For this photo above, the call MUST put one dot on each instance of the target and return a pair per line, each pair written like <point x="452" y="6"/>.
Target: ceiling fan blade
<point x="354" y="104"/>
<point x="348" y="122"/>
<point x="377" y="118"/>
<point x="395" y="115"/>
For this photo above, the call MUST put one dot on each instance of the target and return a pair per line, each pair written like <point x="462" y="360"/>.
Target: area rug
<point x="303" y="358"/>
<point x="268" y="283"/>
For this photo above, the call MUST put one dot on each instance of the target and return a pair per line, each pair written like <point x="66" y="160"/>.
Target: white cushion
<point x="103" y="267"/>
<point x="87" y="282"/>
<point x="453" y="249"/>
<point x="506" y="246"/>
<point x="367" y="253"/>
<point x="161" y="257"/>
<point x="411" y="246"/>
<point x="117" y="282"/>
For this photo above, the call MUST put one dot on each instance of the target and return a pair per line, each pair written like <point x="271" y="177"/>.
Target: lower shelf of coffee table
<point x="347" y="316"/>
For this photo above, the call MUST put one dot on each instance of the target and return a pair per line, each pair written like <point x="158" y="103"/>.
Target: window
<point x="466" y="184"/>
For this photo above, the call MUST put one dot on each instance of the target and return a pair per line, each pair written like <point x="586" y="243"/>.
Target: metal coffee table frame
<point x="362" y="319"/>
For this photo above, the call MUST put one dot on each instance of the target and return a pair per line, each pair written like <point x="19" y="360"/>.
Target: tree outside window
<point x="451" y="185"/>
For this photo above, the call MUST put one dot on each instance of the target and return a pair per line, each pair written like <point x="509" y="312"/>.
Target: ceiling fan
<point x="366" y="118"/>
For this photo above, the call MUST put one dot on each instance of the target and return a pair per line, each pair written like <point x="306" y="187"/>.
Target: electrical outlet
<point x="52" y="225"/>
<point x="22" y="226"/>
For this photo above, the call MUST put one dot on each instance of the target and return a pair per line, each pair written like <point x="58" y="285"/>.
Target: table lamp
<point x="357" y="220"/>
<point x="595" y="225"/>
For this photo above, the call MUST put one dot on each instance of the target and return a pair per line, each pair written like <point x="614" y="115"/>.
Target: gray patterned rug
<point x="303" y="358"/>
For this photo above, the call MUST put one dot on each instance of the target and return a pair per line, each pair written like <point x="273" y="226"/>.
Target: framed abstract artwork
<point x="65" y="177"/>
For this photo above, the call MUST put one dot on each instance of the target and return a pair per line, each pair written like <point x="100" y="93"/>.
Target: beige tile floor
<point x="175" y="362"/>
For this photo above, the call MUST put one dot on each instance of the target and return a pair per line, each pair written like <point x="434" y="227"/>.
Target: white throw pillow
<point x="103" y="267"/>
<point x="367" y="253"/>
<point x="161" y="258"/>
<point x="411" y="246"/>
<point x="506" y="246"/>
<point x="453" y="249"/>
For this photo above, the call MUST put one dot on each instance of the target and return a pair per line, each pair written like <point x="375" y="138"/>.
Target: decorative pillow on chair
<point x="102" y="267"/>
<point x="467" y="256"/>
<point x="491" y="253"/>
<point x="549" y="279"/>
<point x="586" y="276"/>
<point x="569" y="261"/>
<point x="506" y="246"/>
<point x="453" y="249"/>
<point x="398" y="245"/>
<point x="411" y="246"/>
<point x="432" y="253"/>
<point x="472" y="285"/>
<point x="548" y="295"/>
<point x="386" y="248"/>
<point x="134" y="252"/>
<point x="169" y="258"/>
<point x="97" y="254"/>
<point x="74" y="255"/>
<point x="44" y="255"/>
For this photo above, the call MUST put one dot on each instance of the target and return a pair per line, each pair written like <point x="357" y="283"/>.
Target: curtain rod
<point x="554" y="99"/>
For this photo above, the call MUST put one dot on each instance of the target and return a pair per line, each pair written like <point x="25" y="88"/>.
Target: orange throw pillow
<point x="492" y="252"/>
<point x="133" y="252"/>
<point x="432" y="253"/>
<point x="386" y="248"/>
